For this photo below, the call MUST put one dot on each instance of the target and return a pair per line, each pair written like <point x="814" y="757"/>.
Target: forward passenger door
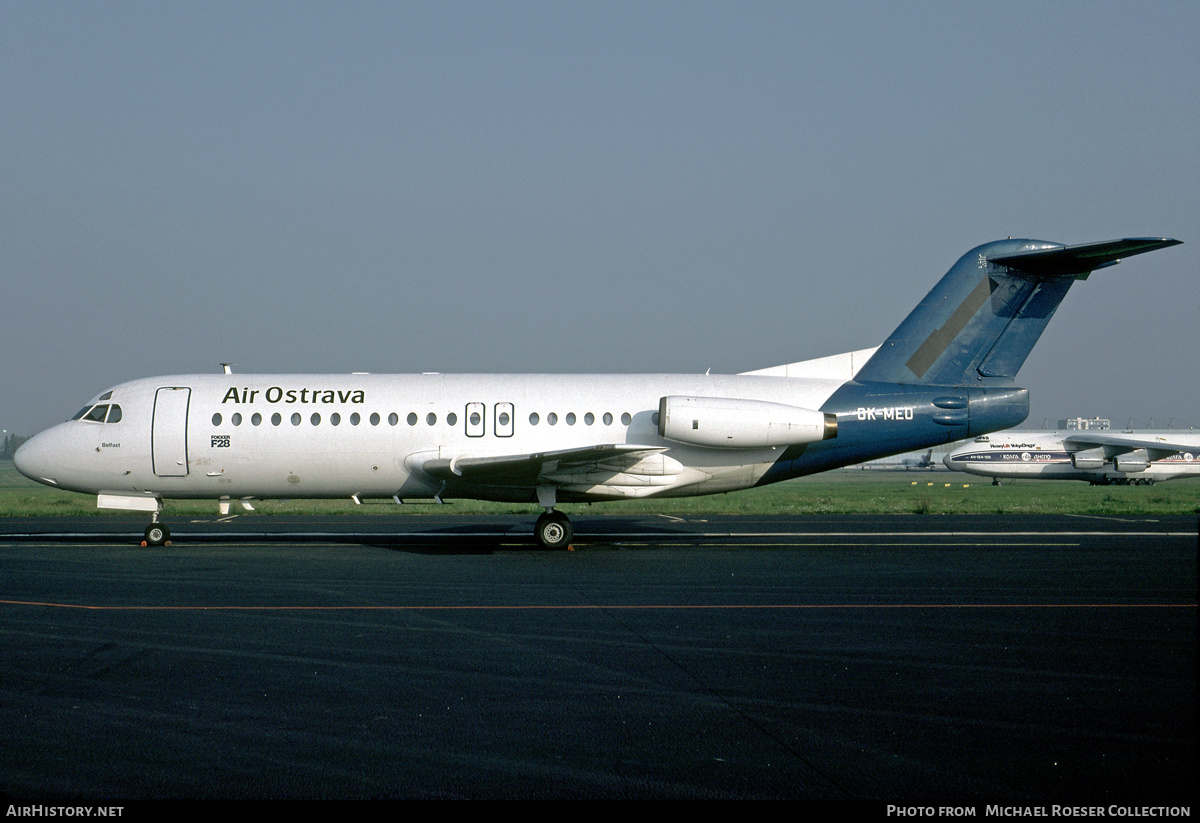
<point x="168" y="436"/>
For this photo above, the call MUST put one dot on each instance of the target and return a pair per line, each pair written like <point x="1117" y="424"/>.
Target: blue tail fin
<point x="979" y="323"/>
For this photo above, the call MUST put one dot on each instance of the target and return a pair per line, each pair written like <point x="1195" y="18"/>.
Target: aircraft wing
<point x="529" y="468"/>
<point x="1114" y="444"/>
<point x="1081" y="259"/>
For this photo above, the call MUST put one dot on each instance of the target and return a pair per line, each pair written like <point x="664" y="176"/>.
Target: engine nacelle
<point x="730" y="423"/>
<point x="1135" y="461"/>
<point x="1089" y="459"/>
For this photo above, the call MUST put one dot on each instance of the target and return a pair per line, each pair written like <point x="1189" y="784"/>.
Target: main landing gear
<point x="553" y="528"/>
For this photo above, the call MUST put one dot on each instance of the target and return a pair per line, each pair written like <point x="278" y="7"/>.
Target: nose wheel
<point x="553" y="530"/>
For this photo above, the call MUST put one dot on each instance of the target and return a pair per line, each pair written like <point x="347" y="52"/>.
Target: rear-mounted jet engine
<point x="731" y="423"/>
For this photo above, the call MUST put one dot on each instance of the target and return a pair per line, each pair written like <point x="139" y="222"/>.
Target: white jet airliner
<point x="945" y="374"/>
<point x="1100" y="457"/>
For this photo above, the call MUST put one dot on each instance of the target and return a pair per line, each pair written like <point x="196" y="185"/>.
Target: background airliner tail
<point x="979" y="323"/>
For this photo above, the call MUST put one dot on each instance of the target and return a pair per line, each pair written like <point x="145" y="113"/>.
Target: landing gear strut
<point x="553" y="529"/>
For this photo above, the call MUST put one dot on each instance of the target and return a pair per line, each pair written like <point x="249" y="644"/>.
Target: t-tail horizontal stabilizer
<point x="979" y="323"/>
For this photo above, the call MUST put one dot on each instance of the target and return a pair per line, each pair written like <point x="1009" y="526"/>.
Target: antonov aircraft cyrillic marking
<point x="945" y="374"/>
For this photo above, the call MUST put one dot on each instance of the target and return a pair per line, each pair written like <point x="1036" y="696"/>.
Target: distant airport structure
<point x="1085" y="423"/>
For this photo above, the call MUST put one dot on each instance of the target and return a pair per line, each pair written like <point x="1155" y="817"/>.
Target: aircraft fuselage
<point x="264" y="436"/>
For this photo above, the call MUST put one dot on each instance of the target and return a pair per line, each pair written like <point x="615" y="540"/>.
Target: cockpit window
<point x="97" y="414"/>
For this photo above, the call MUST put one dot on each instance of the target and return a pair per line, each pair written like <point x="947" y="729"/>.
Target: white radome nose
<point x="32" y="460"/>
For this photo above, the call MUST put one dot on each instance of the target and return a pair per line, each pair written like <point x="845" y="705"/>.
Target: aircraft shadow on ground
<point x="458" y="539"/>
<point x="467" y="539"/>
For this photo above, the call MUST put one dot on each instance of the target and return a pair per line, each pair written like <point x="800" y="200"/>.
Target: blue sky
<point x="582" y="187"/>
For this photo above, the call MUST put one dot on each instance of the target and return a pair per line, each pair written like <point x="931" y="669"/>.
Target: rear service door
<point x="168" y="438"/>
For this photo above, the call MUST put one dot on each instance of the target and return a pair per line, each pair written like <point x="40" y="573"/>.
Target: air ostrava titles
<point x="277" y="394"/>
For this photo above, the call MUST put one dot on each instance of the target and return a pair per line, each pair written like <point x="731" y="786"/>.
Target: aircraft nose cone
<point x="32" y="460"/>
<point x="949" y="460"/>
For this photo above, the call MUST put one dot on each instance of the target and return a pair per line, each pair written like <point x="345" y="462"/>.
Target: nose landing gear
<point x="157" y="534"/>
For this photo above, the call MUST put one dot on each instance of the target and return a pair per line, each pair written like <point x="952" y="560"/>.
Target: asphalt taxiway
<point x="907" y="659"/>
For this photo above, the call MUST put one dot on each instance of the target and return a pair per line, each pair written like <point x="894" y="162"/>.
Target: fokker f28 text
<point x="945" y="374"/>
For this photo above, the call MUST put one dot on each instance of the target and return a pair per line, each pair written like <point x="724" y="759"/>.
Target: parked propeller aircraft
<point x="1100" y="457"/>
<point x="945" y="374"/>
